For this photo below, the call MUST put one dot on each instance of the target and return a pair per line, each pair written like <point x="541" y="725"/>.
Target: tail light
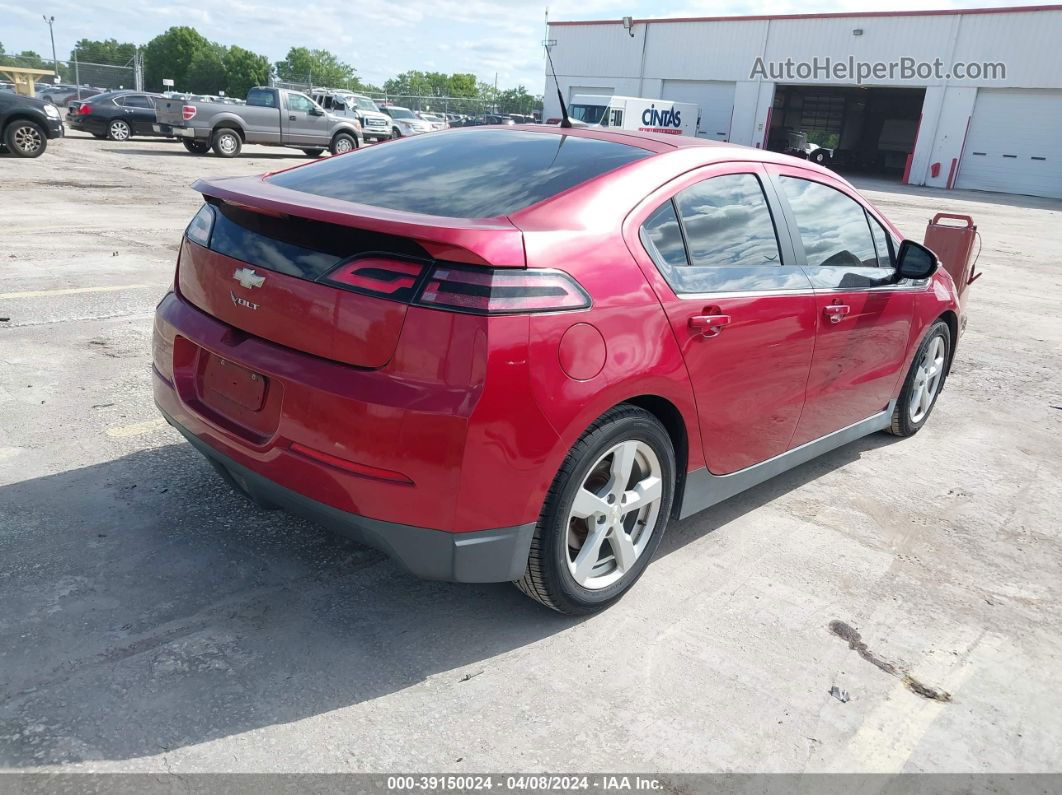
<point x="84" y="110"/>
<point x="188" y="112"/>
<point x="489" y="291"/>
<point x="475" y="290"/>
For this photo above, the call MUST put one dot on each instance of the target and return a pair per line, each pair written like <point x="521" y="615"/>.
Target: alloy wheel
<point x="28" y="138"/>
<point x="119" y="130"/>
<point x="343" y="146"/>
<point x="927" y="380"/>
<point x="613" y="514"/>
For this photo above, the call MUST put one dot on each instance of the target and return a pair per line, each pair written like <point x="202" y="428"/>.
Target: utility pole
<point x="55" y="61"/>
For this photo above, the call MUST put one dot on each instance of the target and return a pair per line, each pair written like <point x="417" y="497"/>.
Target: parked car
<point x="436" y="121"/>
<point x="514" y="355"/>
<point x="271" y="116"/>
<point x="494" y="118"/>
<point x="27" y="123"/>
<point x="375" y="124"/>
<point x="61" y="96"/>
<point x="118" y="115"/>
<point x="405" y="122"/>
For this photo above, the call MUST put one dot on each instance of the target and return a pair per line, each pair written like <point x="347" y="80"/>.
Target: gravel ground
<point x="153" y="621"/>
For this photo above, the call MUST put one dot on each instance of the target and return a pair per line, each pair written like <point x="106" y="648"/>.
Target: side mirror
<point x="915" y="261"/>
<point x="316" y="111"/>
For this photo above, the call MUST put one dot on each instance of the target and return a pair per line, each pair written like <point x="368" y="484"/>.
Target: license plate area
<point x="224" y="382"/>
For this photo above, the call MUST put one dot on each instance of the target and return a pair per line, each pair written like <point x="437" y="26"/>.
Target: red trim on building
<point x="831" y="15"/>
<point x="914" y="148"/>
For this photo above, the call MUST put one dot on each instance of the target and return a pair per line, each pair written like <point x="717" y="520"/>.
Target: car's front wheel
<point x="342" y="143"/>
<point x="604" y="514"/>
<point x="119" y="130"/>
<point x="25" y="138"/>
<point x="924" y="381"/>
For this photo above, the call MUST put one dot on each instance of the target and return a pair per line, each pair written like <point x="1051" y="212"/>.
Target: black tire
<point x="342" y="143"/>
<point x="395" y="133"/>
<point x="547" y="578"/>
<point x="904" y="422"/>
<point x="313" y="152"/>
<point x="226" y="142"/>
<point x="196" y="147"/>
<point x="119" y="130"/>
<point x="820" y="157"/>
<point x="25" y="138"/>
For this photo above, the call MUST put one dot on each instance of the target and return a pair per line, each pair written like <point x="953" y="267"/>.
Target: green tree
<point x="462" y="85"/>
<point x="206" y="72"/>
<point x="108" y="51"/>
<point x="319" y="67"/>
<point x="515" y="100"/>
<point x="169" y="55"/>
<point x="244" y="70"/>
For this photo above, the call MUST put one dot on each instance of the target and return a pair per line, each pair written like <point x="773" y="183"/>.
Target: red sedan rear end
<point x="450" y="348"/>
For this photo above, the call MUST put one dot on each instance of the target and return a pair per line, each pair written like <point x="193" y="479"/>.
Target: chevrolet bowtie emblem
<point x="248" y="278"/>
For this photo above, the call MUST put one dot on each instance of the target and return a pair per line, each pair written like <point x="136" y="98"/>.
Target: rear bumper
<point x="498" y="555"/>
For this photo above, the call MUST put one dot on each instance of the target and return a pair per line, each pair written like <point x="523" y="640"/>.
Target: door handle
<point x="835" y="312"/>
<point x="291" y="117"/>
<point x="709" y="325"/>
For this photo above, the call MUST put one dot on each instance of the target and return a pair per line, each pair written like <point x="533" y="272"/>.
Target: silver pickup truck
<point x="272" y="116"/>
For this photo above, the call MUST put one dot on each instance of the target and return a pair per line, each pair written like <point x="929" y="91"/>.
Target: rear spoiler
<point x="475" y="241"/>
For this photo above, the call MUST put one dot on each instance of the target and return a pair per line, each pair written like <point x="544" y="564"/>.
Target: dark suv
<point x="26" y="124"/>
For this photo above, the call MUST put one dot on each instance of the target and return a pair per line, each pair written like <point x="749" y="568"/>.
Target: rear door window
<point x="464" y="174"/>
<point x="138" y="101"/>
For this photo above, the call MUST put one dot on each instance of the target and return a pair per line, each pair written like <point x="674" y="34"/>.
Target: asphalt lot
<point x="150" y="620"/>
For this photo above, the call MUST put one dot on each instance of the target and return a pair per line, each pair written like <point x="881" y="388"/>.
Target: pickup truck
<point x="272" y="116"/>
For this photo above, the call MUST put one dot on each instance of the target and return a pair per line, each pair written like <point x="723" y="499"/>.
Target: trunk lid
<point x="272" y="252"/>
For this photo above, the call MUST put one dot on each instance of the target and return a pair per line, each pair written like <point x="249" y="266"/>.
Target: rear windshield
<point x="463" y="174"/>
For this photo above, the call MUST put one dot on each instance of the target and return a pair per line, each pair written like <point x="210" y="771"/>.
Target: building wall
<point x="726" y="50"/>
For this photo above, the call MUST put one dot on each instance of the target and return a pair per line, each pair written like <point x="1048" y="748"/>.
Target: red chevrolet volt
<point x="514" y="354"/>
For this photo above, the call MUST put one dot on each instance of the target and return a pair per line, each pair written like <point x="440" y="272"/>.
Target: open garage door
<point x="1014" y="143"/>
<point x="714" y="98"/>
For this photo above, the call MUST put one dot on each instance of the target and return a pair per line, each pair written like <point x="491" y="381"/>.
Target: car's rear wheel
<point x="226" y="143"/>
<point x="196" y="147"/>
<point x="924" y="381"/>
<point x="342" y="143"/>
<point x="395" y="133"/>
<point x="119" y="130"/>
<point x="604" y="514"/>
<point x="25" y="138"/>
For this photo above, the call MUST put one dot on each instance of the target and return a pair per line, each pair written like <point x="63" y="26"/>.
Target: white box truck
<point x="634" y="113"/>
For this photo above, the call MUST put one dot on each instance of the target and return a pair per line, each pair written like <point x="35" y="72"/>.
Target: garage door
<point x="1014" y="143"/>
<point x="715" y="99"/>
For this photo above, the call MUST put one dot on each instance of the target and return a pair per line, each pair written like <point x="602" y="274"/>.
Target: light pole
<point x="55" y="61"/>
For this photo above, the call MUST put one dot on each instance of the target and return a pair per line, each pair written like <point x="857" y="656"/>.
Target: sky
<point x="382" y="38"/>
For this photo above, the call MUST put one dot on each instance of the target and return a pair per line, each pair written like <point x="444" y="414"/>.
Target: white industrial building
<point x="992" y="132"/>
